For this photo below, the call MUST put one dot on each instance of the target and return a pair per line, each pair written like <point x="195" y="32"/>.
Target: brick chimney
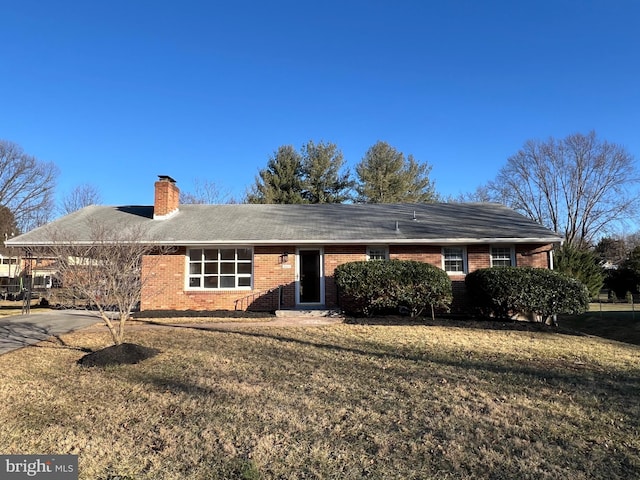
<point x="167" y="196"/>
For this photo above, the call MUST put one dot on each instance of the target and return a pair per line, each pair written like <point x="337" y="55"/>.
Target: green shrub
<point x="381" y="286"/>
<point x="509" y="291"/>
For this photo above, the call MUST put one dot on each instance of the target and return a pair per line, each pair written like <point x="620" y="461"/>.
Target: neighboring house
<point x="10" y="268"/>
<point x="268" y="256"/>
<point x="19" y="272"/>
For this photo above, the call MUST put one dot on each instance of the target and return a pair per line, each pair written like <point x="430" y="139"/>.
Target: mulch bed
<point x="150" y="314"/>
<point x="125" y="353"/>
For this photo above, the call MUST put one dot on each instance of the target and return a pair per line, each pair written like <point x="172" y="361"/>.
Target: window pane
<point x="244" y="268"/>
<point x="215" y="268"/>
<point x="453" y="259"/>
<point x="501" y="257"/>
<point x="377" y="254"/>
<point x="227" y="268"/>
<point x="210" y="268"/>
<point x="228" y="254"/>
<point x="453" y="266"/>
<point x="244" y="254"/>
<point x="453" y="253"/>
<point x="211" y="254"/>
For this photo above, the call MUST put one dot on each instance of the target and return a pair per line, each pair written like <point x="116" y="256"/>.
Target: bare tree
<point x="8" y="228"/>
<point x="81" y="196"/>
<point x="579" y="186"/>
<point x="26" y="186"/>
<point x="106" y="270"/>
<point x="206" y="192"/>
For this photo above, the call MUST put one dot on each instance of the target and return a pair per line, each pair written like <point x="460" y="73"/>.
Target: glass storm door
<point x="310" y="276"/>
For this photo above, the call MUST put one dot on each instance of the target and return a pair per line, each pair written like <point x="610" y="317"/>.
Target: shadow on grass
<point x="15" y="335"/>
<point x="461" y="322"/>
<point x="564" y="374"/>
<point x="618" y="326"/>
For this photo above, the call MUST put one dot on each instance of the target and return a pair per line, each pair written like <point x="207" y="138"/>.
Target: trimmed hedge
<point x="509" y="291"/>
<point x="370" y="287"/>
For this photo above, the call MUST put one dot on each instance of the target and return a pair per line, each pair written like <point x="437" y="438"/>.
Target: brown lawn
<point x="346" y="401"/>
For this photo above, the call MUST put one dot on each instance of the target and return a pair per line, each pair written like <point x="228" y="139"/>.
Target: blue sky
<point x="116" y="92"/>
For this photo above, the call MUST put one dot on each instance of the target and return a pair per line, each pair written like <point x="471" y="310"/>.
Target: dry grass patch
<point x="8" y="308"/>
<point x="346" y="401"/>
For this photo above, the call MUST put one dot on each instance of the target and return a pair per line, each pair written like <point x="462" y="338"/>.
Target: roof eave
<point x="320" y="241"/>
<point x="369" y="241"/>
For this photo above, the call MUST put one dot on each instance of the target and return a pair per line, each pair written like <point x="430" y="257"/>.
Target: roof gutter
<point x="361" y="241"/>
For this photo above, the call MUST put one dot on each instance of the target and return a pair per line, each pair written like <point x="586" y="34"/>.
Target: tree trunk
<point x="116" y="333"/>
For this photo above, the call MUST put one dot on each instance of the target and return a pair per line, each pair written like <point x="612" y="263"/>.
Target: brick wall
<point x="533" y="255"/>
<point x="421" y="253"/>
<point x="164" y="287"/>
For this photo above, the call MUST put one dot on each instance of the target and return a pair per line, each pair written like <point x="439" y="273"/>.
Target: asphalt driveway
<point x="17" y="331"/>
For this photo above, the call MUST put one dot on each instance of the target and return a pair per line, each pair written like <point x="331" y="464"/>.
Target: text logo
<point x="49" y="467"/>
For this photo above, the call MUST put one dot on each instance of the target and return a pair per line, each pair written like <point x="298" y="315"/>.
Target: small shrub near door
<point x="373" y="287"/>
<point x="510" y="291"/>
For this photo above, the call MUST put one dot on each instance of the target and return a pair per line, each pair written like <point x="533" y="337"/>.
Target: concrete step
<point x="308" y="312"/>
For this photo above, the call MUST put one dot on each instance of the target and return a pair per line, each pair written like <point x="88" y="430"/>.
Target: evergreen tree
<point x="581" y="264"/>
<point x="386" y="176"/>
<point x="281" y="181"/>
<point x="324" y="182"/>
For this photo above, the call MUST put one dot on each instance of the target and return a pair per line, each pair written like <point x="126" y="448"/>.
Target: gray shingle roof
<point x="306" y="224"/>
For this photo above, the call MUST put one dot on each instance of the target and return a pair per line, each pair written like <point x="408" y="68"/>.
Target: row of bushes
<point x="368" y="288"/>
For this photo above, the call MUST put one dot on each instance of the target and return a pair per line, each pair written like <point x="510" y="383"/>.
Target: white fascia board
<point x="381" y="241"/>
<point x="407" y="241"/>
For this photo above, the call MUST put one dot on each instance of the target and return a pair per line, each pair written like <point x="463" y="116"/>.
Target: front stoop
<point x="305" y="312"/>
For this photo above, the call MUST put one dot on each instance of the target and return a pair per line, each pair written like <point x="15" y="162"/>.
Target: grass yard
<point x="8" y="308"/>
<point x="442" y="401"/>
<point x="613" y="321"/>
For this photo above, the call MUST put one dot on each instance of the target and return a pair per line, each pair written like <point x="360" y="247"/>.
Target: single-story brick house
<point x="268" y="256"/>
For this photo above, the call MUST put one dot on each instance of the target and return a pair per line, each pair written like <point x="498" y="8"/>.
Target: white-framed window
<point x="502" y="257"/>
<point x="454" y="259"/>
<point x="377" y="253"/>
<point x="220" y="268"/>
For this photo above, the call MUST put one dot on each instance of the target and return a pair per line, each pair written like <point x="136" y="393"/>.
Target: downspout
<point x="555" y="317"/>
<point x="551" y="263"/>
